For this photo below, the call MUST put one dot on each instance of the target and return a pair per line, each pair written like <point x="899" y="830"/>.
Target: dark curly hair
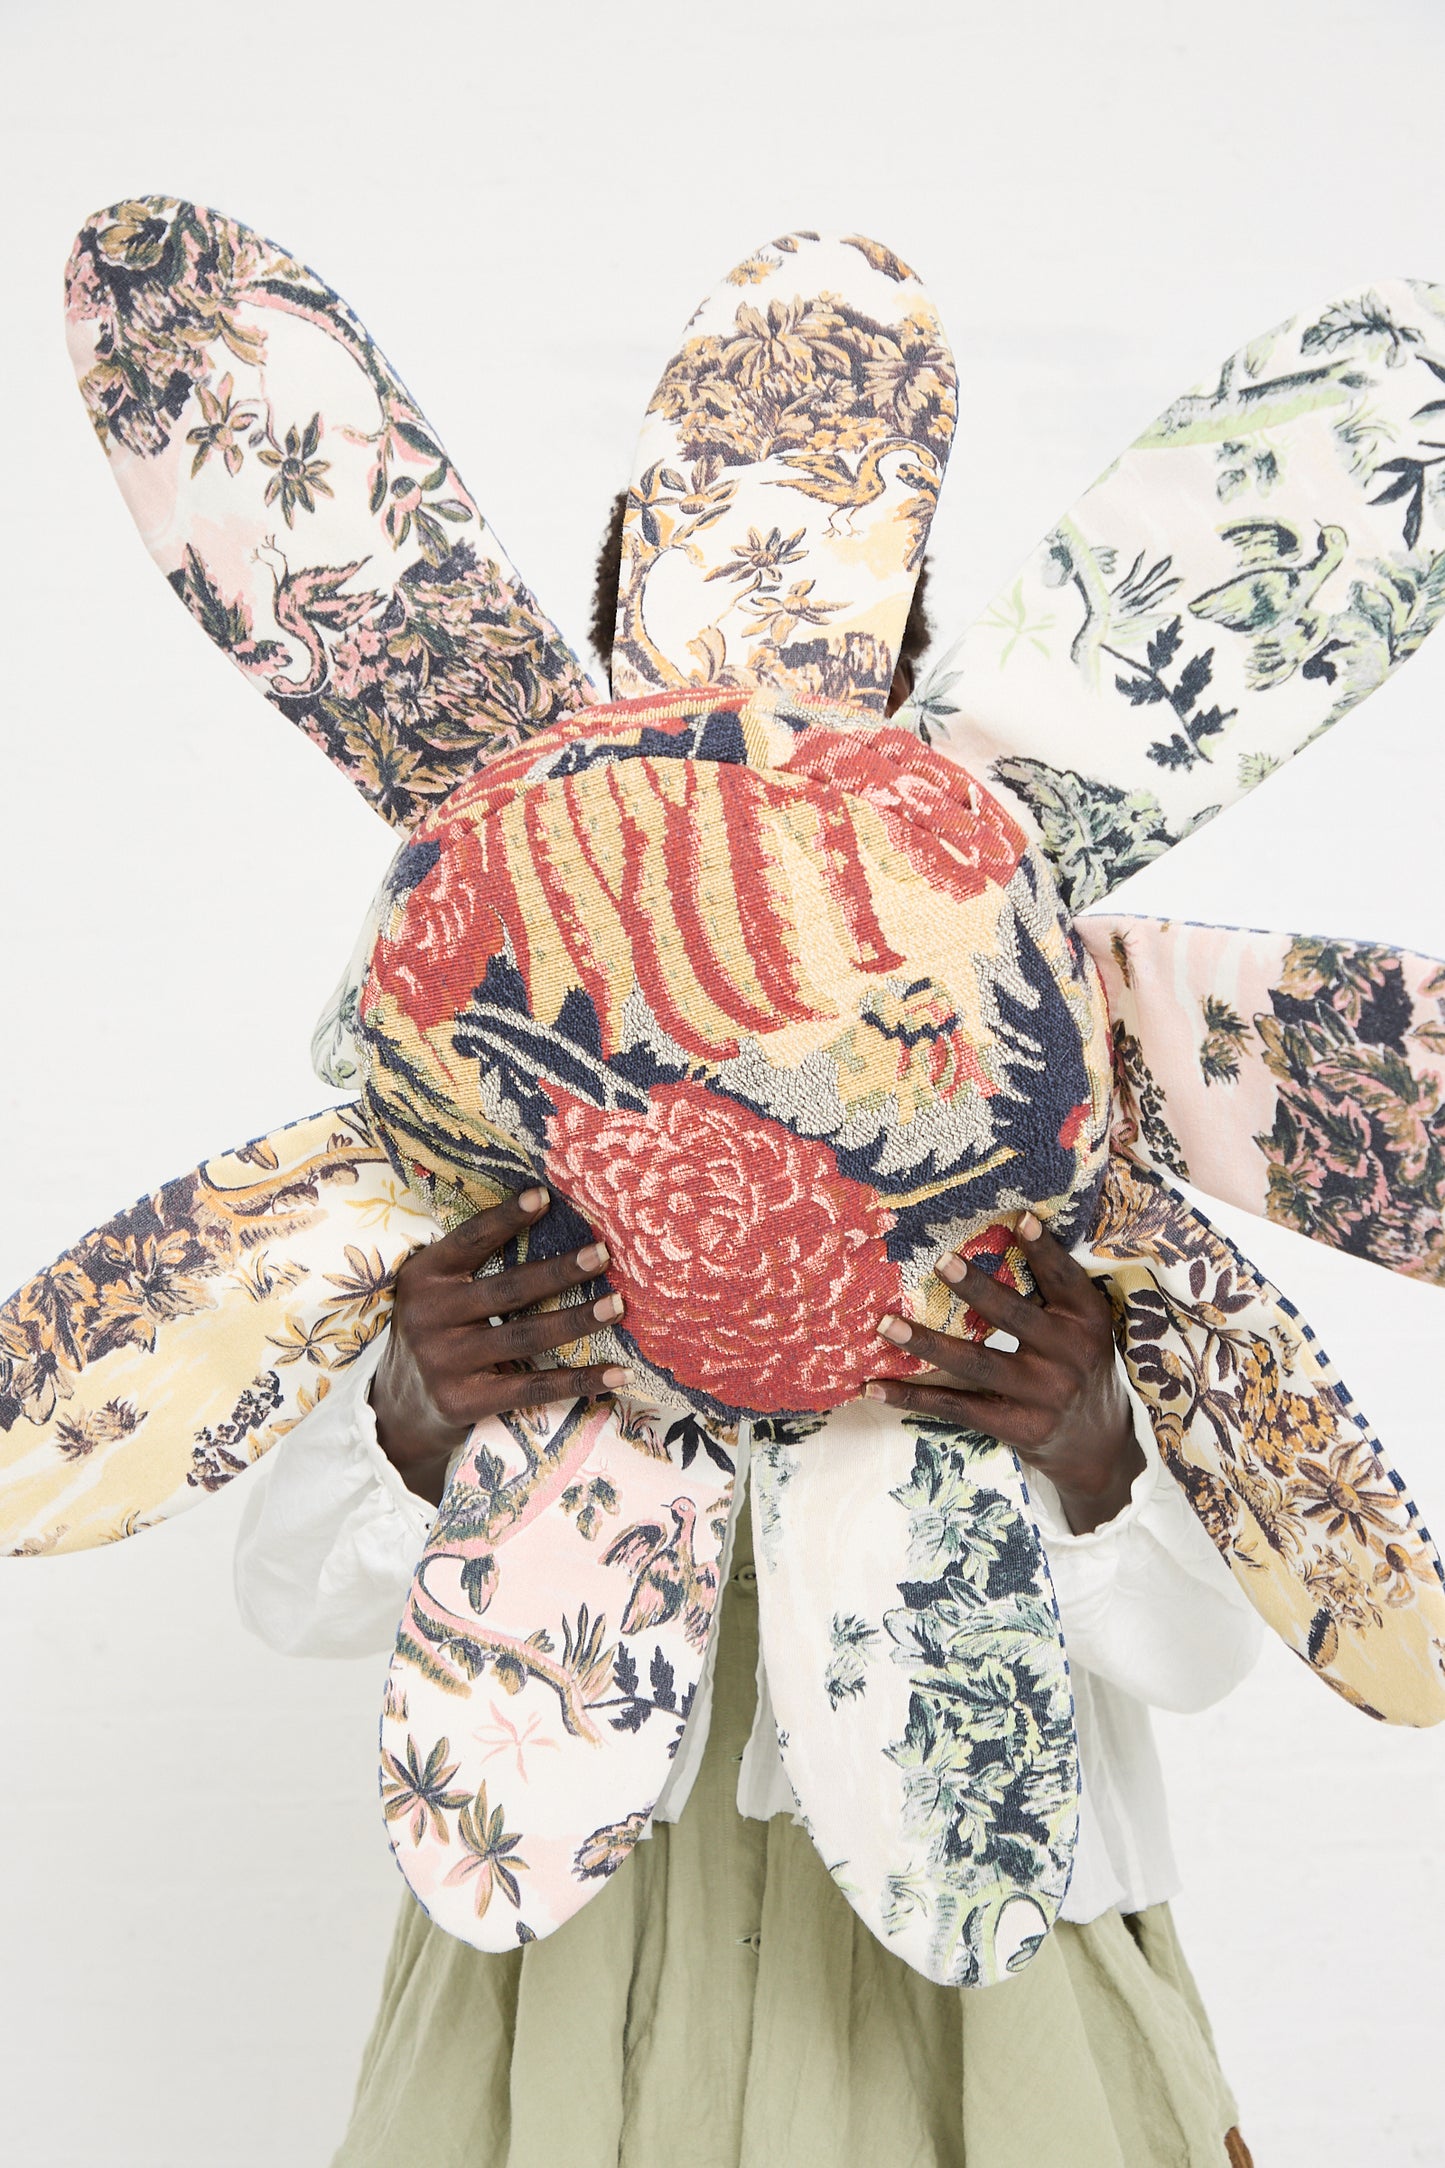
<point x="916" y="633"/>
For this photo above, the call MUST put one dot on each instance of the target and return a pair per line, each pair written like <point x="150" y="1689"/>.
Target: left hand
<point x="1058" y="1400"/>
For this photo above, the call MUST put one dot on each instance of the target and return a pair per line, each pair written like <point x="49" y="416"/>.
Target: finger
<point x="1062" y="1280"/>
<point x="985" y="1369"/>
<point x="497" y="1294"/>
<point x="525" y="1336"/>
<point x="474" y="1240"/>
<point x="1002" y="1306"/>
<point x="972" y="1411"/>
<point x="496" y="1395"/>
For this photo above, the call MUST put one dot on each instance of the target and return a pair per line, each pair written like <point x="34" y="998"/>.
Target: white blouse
<point x="1152" y="1617"/>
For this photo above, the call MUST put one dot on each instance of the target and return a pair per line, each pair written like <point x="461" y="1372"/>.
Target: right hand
<point x="446" y="1368"/>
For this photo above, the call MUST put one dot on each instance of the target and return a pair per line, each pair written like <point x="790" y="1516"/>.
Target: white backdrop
<point x="525" y="204"/>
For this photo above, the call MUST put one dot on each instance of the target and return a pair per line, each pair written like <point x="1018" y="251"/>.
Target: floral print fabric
<point x="918" y="1673"/>
<point x="1253" y="1422"/>
<point x="547" y="1660"/>
<point x="1258" y="561"/>
<point x="1300" y="1077"/>
<point x="786" y="479"/>
<point x="779" y="1006"/>
<point x="302" y="507"/>
<point x="170" y="1349"/>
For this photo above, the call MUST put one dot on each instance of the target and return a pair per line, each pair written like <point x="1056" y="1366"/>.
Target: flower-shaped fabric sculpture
<point x="776" y="995"/>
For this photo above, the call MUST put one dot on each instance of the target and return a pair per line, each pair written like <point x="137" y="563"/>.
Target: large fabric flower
<point x="754" y="1270"/>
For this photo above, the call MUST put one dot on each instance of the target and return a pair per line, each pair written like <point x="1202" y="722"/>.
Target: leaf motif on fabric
<point x="1253" y="1424"/>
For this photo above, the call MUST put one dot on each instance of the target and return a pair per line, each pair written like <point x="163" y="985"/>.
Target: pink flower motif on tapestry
<point x="753" y="1269"/>
<point x="952" y="832"/>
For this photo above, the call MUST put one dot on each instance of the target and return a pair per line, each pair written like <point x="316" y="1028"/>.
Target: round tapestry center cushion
<point x="778" y="1004"/>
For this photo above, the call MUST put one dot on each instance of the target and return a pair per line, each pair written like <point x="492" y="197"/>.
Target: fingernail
<point x="873" y="1392"/>
<point x="533" y="1200"/>
<point x="894" y="1329"/>
<point x="609" y="1306"/>
<point x="1031" y="1227"/>
<point x="952" y="1269"/>
<point x="593" y="1258"/>
<point x="615" y="1377"/>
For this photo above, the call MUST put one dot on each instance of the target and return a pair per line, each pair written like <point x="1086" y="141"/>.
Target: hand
<point x="446" y="1367"/>
<point x="1058" y="1400"/>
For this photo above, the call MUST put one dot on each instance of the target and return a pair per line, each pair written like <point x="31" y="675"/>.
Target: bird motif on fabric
<point x="1120" y="606"/>
<point x="1236" y="409"/>
<point x="828" y="477"/>
<point x="1272" y="594"/>
<point x="669" y="1581"/>
<point x="308" y="605"/>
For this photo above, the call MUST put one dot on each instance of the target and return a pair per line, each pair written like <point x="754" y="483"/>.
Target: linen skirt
<point x="718" y="2005"/>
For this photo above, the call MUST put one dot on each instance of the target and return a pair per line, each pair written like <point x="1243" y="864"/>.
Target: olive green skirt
<point x="718" y="2005"/>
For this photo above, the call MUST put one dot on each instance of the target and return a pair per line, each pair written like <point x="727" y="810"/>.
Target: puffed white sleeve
<point x="1146" y="1600"/>
<point x="331" y="1535"/>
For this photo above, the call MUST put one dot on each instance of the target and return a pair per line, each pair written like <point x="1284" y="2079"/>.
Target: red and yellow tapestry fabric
<point x="780" y="1005"/>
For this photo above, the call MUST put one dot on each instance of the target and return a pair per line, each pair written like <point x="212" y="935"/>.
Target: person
<point x="719" y="2004"/>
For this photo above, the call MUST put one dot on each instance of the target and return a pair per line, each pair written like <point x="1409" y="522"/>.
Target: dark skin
<point x="446" y="1366"/>
<point x="900" y="690"/>
<point x="1057" y="1400"/>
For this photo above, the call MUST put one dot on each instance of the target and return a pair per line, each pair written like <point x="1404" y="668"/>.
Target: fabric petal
<point x="1254" y="1423"/>
<point x="1297" y="1076"/>
<point x="157" y="1359"/>
<point x="547" y="1660"/>
<point x="302" y="507"/>
<point x="1256" y="563"/>
<point x="918" y="1673"/>
<point x="786" y="478"/>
